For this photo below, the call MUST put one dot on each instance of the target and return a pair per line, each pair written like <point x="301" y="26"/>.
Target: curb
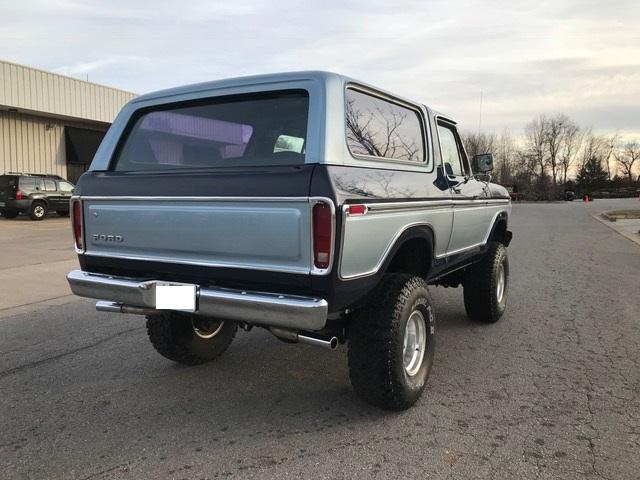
<point x="612" y="217"/>
<point x="612" y="225"/>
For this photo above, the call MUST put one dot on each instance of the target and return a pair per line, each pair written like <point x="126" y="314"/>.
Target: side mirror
<point x="482" y="163"/>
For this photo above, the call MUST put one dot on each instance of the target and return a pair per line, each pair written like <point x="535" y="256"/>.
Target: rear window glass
<point x="241" y="130"/>
<point x="6" y="182"/>
<point x="380" y="128"/>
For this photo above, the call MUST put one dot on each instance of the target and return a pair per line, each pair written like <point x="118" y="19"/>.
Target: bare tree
<point x="536" y="148"/>
<point x="502" y="147"/>
<point x="572" y="139"/>
<point x="627" y="158"/>
<point x="526" y="164"/>
<point x="608" y="147"/>
<point x="553" y="133"/>
<point x="592" y="147"/>
<point x="376" y="132"/>
<point x="505" y="157"/>
<point x="478" y="143"/>
<point x="358" y="130"/>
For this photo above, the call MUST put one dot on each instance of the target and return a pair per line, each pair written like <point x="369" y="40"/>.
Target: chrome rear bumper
<point x="287" y="311"/>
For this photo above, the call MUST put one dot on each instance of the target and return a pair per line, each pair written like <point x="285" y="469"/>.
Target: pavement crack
<point x="102" y="472"/>
<point x="36" y="303"/>
<point x="53" y="358"/>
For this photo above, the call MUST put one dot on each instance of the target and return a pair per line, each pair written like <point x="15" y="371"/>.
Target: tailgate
<point x="263" y="234"/>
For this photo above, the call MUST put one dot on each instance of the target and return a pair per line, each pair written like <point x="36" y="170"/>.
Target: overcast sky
<point x="577" y="57"/>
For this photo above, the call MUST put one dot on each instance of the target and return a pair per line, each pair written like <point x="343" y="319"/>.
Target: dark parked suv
<point x="34" y="195"/>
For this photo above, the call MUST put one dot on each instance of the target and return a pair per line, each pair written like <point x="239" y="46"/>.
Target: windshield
<point x="240" y="130"/>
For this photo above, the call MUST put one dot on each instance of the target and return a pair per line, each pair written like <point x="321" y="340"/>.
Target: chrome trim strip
<point x="193" y="199"/>
<point x="481" y="201"/>
<point x="404" y="206"/>
<point x="310" y="200"/>
<point x="287" y="311"/>
<point x="73" y="233"/>
<point x="460" y="250"/>
<point x="284" y="199"/>
<point x="386" y="207"/>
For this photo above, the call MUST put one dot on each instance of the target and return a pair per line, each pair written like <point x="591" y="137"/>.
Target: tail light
<point x="77" y="223"/>
<point x="19" y="195"/>
<point x="322" y="235"/>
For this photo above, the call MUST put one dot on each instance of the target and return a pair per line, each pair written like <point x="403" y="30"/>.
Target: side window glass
<point x="49" y="185"/>
<point x="451" y="158"/>
<point x="382" y="129"/>
<point x="27" y="183"/>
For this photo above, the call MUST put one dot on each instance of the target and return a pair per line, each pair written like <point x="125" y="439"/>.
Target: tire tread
<point x="479" y="286"/>
<point x="373" y="351"/>
<point x="168" y="336"/>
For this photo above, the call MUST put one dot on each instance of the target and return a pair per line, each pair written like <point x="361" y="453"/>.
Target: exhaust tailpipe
<point x="114" y="307"/>
<point x="290" y="336"/>
<point x="294" y="337"/>
<point x="330" y="342"/>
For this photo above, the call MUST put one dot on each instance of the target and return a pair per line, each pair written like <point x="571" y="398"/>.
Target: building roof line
<point x="48" y="72"/>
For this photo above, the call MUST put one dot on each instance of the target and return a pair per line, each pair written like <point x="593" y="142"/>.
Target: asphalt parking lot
<point x="551" y="391"/>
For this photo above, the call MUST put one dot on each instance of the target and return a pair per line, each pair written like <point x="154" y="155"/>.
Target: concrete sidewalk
<point x="35" y="258"/>
<point x="628" y="228"/>
<point x="22" y="286"/>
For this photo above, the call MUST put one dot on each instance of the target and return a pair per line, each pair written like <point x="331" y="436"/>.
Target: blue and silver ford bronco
<point x="310" y="204"/>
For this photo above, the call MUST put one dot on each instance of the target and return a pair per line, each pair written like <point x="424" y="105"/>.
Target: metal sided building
<point x="50" y="123"/>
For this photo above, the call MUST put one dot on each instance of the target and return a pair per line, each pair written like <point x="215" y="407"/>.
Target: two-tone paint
<point x="251" y="226"/>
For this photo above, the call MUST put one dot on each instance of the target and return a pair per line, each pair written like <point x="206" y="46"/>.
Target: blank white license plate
<point x="176" y="297"/>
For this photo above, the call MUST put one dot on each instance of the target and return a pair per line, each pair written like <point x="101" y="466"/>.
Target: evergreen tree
<point x="592" y="175"/>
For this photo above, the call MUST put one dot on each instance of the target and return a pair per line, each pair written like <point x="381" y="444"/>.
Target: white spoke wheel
<point x="415" y="342"/>
<point x="206" y="327"/>
<point x="500" y="283"/>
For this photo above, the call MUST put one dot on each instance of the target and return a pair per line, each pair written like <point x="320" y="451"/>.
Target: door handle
<point x="457" y="190"/>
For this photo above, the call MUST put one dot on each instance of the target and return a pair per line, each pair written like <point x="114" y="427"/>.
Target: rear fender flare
<point x="420" y="231"/>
